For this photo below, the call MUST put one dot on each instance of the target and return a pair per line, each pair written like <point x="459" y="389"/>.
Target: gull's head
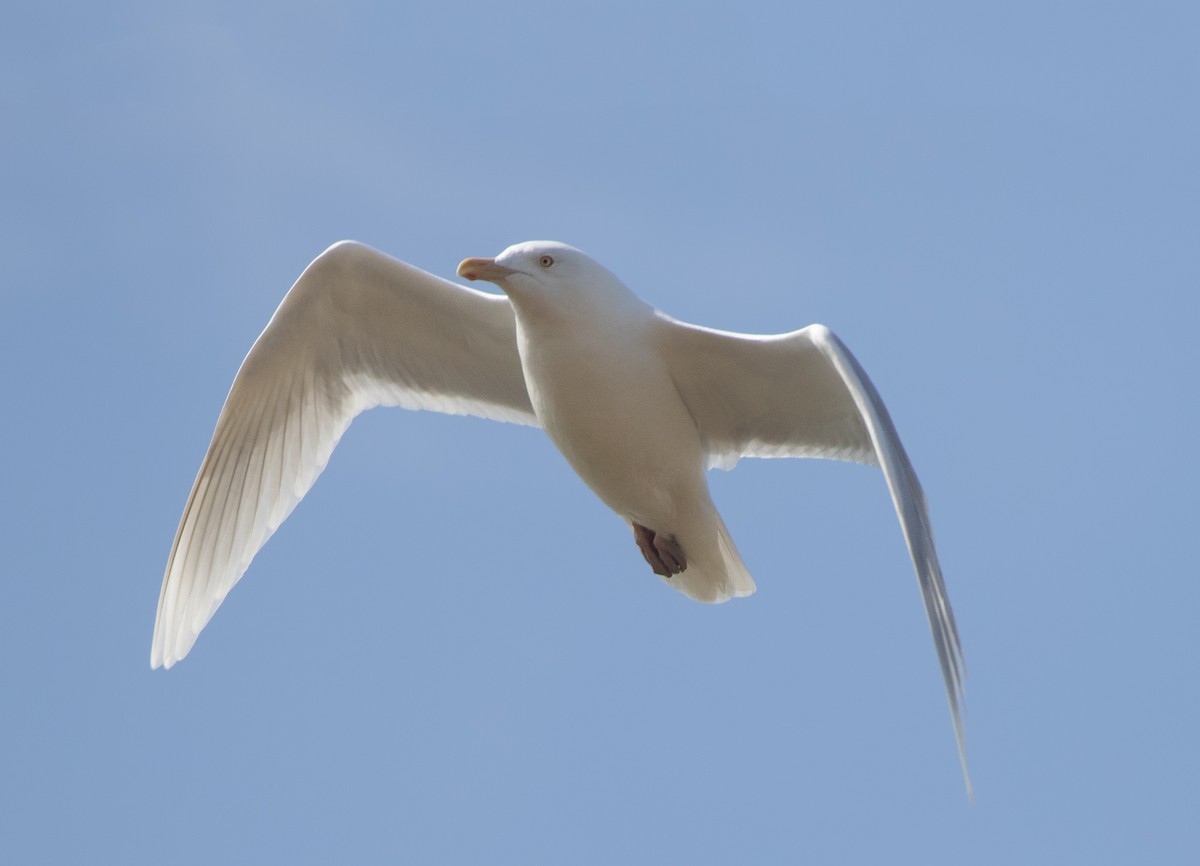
<point x="546" y="272"/>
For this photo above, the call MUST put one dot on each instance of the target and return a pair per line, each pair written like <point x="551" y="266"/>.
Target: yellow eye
<point x="546" y="261"/>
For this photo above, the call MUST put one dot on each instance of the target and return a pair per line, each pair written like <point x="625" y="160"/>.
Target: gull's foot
<point x="662" y="551"/>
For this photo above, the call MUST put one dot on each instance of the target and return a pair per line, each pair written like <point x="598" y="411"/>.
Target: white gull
<point x="640" y="404"/>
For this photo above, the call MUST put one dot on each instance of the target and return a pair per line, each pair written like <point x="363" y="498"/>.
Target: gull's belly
<point x="617" y="418"/>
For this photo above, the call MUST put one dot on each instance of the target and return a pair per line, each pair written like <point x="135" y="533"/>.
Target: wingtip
<point x="957" y="707"/>
<point x="160" y="658"/>
<point x="967" y="776"/>
<point x="165" y="663"/>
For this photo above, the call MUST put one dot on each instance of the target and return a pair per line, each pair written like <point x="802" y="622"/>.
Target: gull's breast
<point x="612" y="409"/>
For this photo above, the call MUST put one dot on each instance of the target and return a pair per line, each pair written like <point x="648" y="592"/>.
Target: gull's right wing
<point x="358" y="329"/>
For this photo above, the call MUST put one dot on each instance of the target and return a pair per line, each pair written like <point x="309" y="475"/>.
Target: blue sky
<point x="451" y="652"/>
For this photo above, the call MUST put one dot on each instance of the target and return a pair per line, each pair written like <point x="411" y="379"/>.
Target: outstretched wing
<point x="804" y="394"/>
<point x="358" y="329"/>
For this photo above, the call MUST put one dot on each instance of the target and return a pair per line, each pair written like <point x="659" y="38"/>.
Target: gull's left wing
<point x="804" y="394"/>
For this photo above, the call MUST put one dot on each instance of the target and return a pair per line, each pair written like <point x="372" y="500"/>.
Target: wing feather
<point x="358" y="329"/>
<point x="909" y="500"/>
<point x="804" y="394"/>
<point x="747" y="417"/>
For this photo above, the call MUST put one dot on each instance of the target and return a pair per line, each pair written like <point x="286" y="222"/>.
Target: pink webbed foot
<point x="662" y="551"/>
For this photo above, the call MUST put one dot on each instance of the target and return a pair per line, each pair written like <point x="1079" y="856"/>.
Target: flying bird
<point x="640" y="404"/>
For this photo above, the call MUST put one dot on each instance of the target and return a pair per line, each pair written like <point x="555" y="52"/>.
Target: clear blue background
<point x="452" y="653"/>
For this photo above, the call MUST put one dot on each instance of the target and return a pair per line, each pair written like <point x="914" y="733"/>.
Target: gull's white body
<point x="600" y="381"/>
<point x="641" y="406"/>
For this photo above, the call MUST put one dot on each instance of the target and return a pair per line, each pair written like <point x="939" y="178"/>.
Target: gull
<point x="640" y="404"/>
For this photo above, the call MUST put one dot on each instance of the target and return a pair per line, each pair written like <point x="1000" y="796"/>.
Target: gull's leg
<point x="662" y="551"/>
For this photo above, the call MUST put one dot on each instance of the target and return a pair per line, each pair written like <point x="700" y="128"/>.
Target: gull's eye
<point x="546" y="261"/>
